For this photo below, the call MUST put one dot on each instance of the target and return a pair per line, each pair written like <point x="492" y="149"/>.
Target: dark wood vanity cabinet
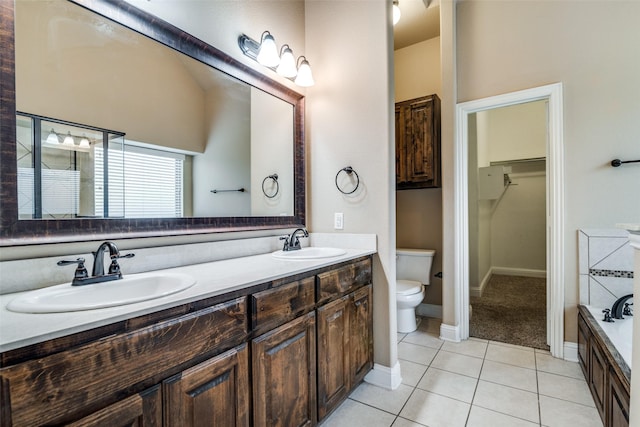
<point x="609" y="386"/>
<point x="247" y="360"/>
<point x="417" y="123"/>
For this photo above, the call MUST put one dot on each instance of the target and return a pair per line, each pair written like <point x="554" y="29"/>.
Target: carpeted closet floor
<point x="512" y="310"/>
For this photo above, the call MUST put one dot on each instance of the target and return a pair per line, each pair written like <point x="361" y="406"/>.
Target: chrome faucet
<point x="620" y="307"/>
<point x="97" y="275"/>
<point x="292" y="242"/>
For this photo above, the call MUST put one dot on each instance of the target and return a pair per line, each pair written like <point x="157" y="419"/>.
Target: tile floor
<point x="475" y="383"/>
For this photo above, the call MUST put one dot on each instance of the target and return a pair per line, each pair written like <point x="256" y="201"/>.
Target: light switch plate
<point x="338" y="221"/>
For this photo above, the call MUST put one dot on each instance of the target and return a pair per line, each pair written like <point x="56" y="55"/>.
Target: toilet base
<point x="407" y="320"/>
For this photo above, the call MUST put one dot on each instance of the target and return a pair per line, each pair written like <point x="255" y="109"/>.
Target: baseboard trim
<point x="385" y="377"/>
<point x="429" y="310"/>
<point x="476" y="291"/>
<point x="570" y="351"/>
<point x="507" y="271"/>
<point x="450" y="333"/>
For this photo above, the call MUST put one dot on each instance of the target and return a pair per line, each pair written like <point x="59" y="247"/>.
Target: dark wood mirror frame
<point x="24" y="232"/>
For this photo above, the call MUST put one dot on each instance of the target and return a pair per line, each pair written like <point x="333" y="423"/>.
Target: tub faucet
<point x="619" y="307"/>
<point x="292" y="242"/>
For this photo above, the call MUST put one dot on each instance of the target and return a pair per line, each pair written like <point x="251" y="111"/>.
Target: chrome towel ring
<point x="349" y="171"/>
<point x="273" y="178"/>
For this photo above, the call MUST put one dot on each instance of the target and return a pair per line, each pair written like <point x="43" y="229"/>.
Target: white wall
<point x="349" y="113"/>
<point x="508" y="46"/>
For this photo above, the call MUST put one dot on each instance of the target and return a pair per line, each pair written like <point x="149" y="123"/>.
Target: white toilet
<point x="413" y="270"/>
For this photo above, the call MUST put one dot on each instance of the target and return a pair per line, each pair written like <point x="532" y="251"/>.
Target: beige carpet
<point x="512" y="309"/>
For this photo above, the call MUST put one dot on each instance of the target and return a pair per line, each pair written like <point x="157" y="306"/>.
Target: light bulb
<point x="268" y="53"/>
<point x="84" y="142"/>
<point x="304" y="78"/>
<point x="287" y="67"/>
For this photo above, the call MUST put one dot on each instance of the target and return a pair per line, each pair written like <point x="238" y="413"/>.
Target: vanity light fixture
<point x="53" y="137"/>
<point x="396" y="12"/>
<point x="284" y="64"/>
<point x="287" y="67"/>
<point x="304" y="78"/>
<point x="68" y="140"/>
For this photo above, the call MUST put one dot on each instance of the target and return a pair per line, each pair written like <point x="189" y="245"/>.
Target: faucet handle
<point x="81" y="271"/>
<point x="114" y="268"/>
<point x="627" y="310"/>
<point x="607" y="315"/>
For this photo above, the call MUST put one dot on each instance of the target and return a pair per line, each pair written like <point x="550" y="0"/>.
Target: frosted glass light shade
<point x="304" y="78"/>
<point x="68" y="140"/>
<point x="84" y="143"/>
<point x="52" y="138"/>
<point x="287" y="67"/>
<point x="396" y="13"/>
<point x="268" y="53"/>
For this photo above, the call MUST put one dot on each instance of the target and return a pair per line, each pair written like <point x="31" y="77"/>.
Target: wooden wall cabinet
<point x="418" y="143"/>
<point x="609" y="386"/>
<point x="247" y="358"/>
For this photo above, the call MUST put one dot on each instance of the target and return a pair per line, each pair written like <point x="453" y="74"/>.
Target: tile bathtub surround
<point x="475" y="383"/>
<point x="605" y="266"/>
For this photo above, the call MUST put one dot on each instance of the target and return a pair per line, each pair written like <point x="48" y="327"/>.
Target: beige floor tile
<point x="426" y="339"/>
<point x="455" y="386"/>
<point x="561" y="413"/>
<point x="507" y="400"/>
<point x="520" y="347"/>
<point x="411" y="372"/>
<point x="564" y="388"/>
<point x="416" y="353"/>
<point x="511" y="355"/>
<point x="401" y="336"/>
<point x="457" y="363"/>
<point x="434" y="410"/>
<point x="471" y="347"/>
<point x="401" y="422"/>
<point x="481" y="417"/>
<point x="381" y="398"/>
<point x="430" y="324"/>
<point x="509" y="375"/>
<point x="352" y="413"/>
<point x="548" y="363"/>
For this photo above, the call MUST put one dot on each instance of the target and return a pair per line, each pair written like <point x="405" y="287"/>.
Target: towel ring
<point x="274" y="178"/>
<point x="348" y="170"/>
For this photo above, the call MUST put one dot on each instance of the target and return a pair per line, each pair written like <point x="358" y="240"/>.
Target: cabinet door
<point x="333" y="354"/>
<point x="401" y="153"/>
<point x="618" y="404"/>
<point x="141" y="410"/>
<point x="215" y="392"/>
<point x="361" y="335"/>
<point x="583" y="345"/>
<point x="284" y="374"/>
<point x="598" y="373"/>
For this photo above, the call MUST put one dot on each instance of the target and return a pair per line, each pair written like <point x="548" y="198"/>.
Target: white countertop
<point x="213" y="278"/>
<point x="620" y="333"/>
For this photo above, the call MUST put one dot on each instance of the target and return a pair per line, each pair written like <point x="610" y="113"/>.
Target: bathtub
<point x="619" y="333"/>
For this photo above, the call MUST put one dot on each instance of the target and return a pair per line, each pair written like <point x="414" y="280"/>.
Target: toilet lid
<point x="408" y="287"/>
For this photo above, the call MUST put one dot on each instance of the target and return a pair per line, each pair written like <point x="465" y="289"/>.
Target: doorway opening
<point x="554" y="210"/>
<point x="507" y="224"/>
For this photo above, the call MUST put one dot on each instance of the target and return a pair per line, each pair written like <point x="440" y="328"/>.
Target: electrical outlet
<point x="338" y="221"/>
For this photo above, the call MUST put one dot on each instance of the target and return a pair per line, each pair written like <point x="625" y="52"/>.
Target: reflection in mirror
<point x="183" y="128"/>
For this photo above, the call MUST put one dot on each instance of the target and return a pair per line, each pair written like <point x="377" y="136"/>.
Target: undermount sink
<point x="128" y="290"/>
<point x="309" y="253"/>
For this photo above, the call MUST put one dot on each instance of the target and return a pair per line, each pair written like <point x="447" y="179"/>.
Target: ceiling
<point x="420" y="20"/>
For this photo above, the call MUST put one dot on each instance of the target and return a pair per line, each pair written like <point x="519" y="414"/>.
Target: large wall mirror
<point x="121" y="125"/>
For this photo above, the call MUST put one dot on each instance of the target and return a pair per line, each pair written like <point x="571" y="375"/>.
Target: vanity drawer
<point x="276" y="306"/>
<point x="344" y="279"/>
<point x="68" y="385"/>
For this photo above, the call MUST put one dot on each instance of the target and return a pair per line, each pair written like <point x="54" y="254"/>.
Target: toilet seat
<point x="408" y="287"/>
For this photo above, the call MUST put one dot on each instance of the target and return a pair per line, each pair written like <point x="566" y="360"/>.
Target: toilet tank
<point x="414" y="264"/>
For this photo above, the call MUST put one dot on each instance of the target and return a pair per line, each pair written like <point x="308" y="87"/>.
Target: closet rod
<point x="508" y="162"/>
